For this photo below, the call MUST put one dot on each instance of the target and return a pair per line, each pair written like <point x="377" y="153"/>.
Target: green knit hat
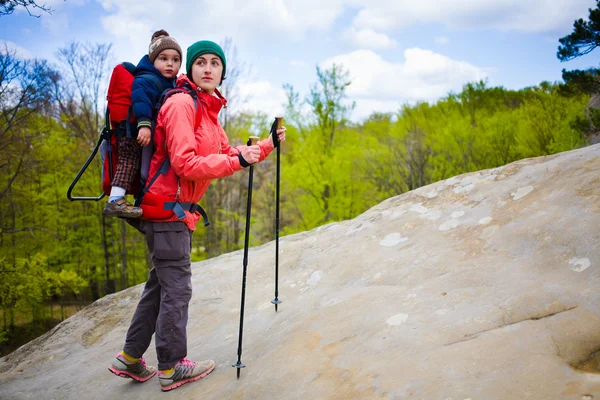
<point x="203" y="47"/>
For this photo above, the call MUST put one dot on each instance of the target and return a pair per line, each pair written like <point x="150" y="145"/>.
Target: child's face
<point x="168" y="63"/>
<point x="207" y="71"/>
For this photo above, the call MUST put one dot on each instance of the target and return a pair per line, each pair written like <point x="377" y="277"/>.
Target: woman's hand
<point x="251" y="154"/>
<point x="280" y="135"/>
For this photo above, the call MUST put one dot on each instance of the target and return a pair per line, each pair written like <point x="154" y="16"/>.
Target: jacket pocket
<point x="171" y="241"/>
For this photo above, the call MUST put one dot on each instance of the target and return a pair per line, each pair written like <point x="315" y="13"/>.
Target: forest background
<point x="57" y="256"/>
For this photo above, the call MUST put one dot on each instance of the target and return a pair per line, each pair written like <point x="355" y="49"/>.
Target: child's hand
<point x="144" y="136"/>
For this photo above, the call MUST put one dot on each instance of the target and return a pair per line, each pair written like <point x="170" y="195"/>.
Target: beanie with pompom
<point x="162" y="41"/>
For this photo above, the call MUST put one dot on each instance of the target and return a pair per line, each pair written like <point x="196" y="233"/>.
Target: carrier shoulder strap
<point x="164" y="167"/>
<point x="158" y="83"/>
<point x="176" y="206"/>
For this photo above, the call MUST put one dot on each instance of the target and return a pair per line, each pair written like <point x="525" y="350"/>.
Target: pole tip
<point x="239" y="367"/>
<point x="276" y="301"/>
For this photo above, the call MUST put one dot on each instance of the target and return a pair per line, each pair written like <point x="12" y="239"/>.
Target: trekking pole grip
<point x="252" y="140"/>
<point x="274" y="128"/>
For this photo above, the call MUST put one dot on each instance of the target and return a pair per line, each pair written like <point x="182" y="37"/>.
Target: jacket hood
<point x="146" y="67"/>
<point x="216" y="101"/>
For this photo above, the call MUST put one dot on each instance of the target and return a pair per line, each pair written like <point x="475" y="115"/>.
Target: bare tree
<point x="25" y="92"/>
<point x="225" y="198"/>
<point x="86" y="69"/>
<point x="8" y="7"/>
<point x="236" y="70"/>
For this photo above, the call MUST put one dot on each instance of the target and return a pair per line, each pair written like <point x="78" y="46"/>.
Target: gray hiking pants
<point x="163" y="307"/>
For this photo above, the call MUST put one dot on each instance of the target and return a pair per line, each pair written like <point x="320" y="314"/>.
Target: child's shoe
<point x="136" y="370"/>
<point x="122" y="208"/>
<point x="185" y="371"/>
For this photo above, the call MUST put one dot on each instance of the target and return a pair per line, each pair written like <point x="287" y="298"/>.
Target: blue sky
<point x="395" y="51"/>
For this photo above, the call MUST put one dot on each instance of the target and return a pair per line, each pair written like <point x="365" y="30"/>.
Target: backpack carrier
<point x="119" y="122"/>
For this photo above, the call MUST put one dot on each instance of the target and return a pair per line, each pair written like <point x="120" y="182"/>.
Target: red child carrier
<point x="120" y="122"/>
<point x="119" y="119"/>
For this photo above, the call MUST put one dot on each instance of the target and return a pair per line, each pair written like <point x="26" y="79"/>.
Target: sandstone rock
<point x="483" y="286"/>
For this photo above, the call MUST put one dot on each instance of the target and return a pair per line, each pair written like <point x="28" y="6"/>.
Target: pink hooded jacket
<point x="196" y="156"/>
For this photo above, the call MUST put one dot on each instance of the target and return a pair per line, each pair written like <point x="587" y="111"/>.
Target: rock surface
<point x="483" y="286"/>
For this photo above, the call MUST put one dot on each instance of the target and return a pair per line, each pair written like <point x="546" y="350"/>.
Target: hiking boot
<point x="185" y="371"/>
<point x="136" y="370"/>
<point x="122" y="208"/>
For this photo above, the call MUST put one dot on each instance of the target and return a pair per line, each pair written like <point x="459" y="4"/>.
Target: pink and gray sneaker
<point x="136" y="370"/>
<point x="185" y="371"/>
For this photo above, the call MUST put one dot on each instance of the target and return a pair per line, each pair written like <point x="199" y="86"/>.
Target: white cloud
<point x="19" y="51"/>
<point x="369" y="39"/>
<point x="53" y="5"/>
<point x="298" y="64"/>
<point x="134" y="21"/>
<point x="133" y="35"/>
<point x="424" y="76"/>
<point x="517" y="15"/>
<point x="241" y="19"/>
<point x="441" y="40"/>
<point x="262" y="96"/>
<point x="57" y="24"/>
<point x="366" y="107"/>
<point x="57" y="4"/>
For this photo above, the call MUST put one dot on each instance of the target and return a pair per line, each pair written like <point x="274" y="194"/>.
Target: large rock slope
<point x="483" y="286"/>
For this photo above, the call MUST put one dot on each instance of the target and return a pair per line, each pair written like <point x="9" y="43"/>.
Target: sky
<point x="395" y="51"/>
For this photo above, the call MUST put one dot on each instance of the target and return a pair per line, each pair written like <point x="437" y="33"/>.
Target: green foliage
<point x="580" y="81"/>
<point x="52" y="249"/>
<point x="29" y="282"/>
<point x="584" y="39"/>
<point x="388" y="154"/>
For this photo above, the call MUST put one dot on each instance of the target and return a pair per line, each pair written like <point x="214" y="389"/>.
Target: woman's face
<point x="207" y="71"/>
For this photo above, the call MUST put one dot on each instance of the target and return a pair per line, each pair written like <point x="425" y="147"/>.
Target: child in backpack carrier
<point x="163" y="62"/>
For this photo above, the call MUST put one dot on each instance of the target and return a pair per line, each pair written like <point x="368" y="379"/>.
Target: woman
<point x="198" y="151"/>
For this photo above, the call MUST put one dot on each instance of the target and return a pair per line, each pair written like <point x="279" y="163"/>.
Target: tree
<point x="236" y="70"/>
<point x="319" y="155"/>
<point x="584" y="38"/>
<point x="25" y="92"/>
<point x="8" y="7"/>
<point x="29" y="283"/>
<point x="326" y="99"/>
<point x="86" y="69"/>
<point x="224" y="199"/>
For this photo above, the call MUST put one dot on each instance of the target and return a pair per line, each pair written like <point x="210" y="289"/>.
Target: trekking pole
<point x="277" y="125"/>
<point x="252" y="140"/>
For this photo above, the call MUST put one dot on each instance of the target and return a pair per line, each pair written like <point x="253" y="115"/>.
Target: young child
<point x="156" y="72"/>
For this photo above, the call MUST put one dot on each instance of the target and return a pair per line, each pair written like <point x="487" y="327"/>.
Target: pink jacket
<point x="196" y="156"/>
